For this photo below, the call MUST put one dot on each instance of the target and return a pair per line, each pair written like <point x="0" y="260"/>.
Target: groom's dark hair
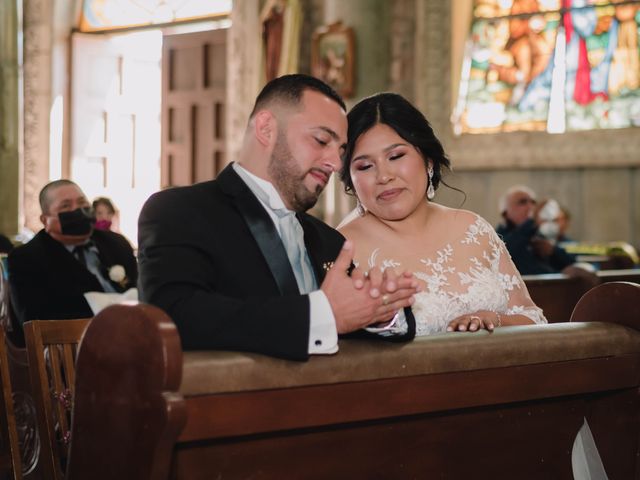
<point x="288" y="90"/>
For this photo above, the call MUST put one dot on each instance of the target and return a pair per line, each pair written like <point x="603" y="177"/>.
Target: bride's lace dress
<point x="472" y="272"/>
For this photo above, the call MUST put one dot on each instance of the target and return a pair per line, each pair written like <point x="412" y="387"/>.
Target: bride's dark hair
<point x="406" y="120"/>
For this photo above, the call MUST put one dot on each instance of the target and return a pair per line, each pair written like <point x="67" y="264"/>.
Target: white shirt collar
<point x="275" y="200"/>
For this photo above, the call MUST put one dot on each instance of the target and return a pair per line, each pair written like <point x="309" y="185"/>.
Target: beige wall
<point x="604" y="202"/>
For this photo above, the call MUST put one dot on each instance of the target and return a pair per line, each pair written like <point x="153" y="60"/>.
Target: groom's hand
<point x="393" y="288"/>
<point x="352" y="305"/>
<point x="384" y="281"/>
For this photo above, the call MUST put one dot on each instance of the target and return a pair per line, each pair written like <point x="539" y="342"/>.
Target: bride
<point x="393" y="164"/>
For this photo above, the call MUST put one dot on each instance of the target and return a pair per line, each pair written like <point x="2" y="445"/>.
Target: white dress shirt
<point x="323" y="335"/>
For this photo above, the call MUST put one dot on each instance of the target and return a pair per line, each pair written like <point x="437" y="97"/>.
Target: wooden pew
<point x="126" y="412"/>
<point x="557" y="294"/>
<point x="26" y="453"/>
<point x="498" y="405"/>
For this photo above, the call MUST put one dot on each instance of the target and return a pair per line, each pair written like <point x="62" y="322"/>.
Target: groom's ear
<point x="265" y="128"/>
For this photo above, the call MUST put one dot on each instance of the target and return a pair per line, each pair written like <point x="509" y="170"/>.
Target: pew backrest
<point x="617" y="302"/>
<point x="127" y="413"/>
<point x="557" y="294"/>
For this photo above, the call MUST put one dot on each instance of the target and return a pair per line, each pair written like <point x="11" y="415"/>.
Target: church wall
<point x="603" y="202"/>
<point x="412" y="47"/>
<point x="595" y="174"/>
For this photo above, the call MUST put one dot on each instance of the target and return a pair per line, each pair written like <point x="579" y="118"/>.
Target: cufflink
<point x="318" y="343"/>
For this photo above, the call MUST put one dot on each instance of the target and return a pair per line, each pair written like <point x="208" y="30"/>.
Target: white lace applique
<point x="474" y="274"/>
<point x="438" y="276"/>
<point x="384" y="264"/>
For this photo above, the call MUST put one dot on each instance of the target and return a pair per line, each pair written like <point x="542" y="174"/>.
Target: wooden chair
<point x="51" y="348"/>
<point x="10" y="462"/>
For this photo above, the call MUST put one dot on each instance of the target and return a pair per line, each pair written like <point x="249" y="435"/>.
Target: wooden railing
<point x="506" y="404"/>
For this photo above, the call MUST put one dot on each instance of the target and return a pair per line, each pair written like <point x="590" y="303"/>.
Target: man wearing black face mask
<point x="68" y="257"/>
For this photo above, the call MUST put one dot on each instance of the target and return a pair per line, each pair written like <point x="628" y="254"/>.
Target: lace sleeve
<point x="519" y="299"/>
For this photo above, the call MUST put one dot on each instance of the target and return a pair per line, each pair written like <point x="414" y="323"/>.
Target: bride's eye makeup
<point x="396" y="155"/>
<point x="361" y="166"/>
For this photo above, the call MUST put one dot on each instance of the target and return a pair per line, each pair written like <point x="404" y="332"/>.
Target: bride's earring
<point x="360" y="208"/>
<point x="431" y="192"/>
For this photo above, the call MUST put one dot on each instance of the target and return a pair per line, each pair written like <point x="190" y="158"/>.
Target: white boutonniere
<point x="117" y="274"/>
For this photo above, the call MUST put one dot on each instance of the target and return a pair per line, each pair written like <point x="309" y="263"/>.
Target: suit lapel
<point x="66" y="264"/>
<point x="262" y="228"/>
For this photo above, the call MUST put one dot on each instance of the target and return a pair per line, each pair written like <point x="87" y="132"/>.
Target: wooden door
<point x="115" y="145"/>
<point x="193" y="106"/>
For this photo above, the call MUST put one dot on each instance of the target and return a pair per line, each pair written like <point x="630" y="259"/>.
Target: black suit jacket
<point x="211" y="257"/>
<point x="48" y="283"/>
<point x="517" y="239"/>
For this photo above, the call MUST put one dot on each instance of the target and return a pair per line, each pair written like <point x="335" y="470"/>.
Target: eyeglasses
<point x="525" y="200"/>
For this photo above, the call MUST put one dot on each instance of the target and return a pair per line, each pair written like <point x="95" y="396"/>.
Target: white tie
<point x="293" y="239"/>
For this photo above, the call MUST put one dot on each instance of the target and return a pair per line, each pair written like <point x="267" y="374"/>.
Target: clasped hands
<point x="365" y="298"/>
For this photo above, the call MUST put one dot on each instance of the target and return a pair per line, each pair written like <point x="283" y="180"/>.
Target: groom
<point x="236" y="262"/>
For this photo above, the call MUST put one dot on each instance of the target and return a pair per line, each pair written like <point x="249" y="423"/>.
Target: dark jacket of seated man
<point x="47" y="279"/>
<point x="531" y="253"/>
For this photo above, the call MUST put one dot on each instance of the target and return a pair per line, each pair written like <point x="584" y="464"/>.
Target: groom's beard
<point x="288" y="178"/>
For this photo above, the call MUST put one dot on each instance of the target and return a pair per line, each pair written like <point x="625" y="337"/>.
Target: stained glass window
<point x="550" y="65"/>
<point x="112" y="14"/>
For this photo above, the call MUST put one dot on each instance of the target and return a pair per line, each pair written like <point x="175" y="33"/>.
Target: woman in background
<point x="105" y="213"/>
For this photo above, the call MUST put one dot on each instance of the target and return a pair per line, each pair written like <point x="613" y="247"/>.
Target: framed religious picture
<point x="332" y="57"/>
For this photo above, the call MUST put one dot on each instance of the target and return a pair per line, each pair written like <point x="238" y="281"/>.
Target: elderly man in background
<point x="50" y="274"/>
<point x="526" y="231"/>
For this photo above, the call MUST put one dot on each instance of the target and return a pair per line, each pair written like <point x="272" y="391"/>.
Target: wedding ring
<point x="385" y="299"/>
<point x="474" y="317"/>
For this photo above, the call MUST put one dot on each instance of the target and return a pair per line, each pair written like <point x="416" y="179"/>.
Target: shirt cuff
<point x="323" y="335"/>
<point x="397" y="326"/>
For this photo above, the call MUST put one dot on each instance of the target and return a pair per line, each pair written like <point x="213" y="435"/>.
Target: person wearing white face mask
<point x="530" y="232"/>
<point x="548" y="225"/>
<point x="50" y="274"/>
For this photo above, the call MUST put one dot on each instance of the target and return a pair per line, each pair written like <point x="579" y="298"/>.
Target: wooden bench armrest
<point x="127" y="413"/>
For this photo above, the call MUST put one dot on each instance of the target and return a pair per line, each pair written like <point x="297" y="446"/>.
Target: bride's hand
<point x="394" y="290"/>
<point x="471" y="322"/>
<point x="385" y="282"/>
<point x="352" y="305"/>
